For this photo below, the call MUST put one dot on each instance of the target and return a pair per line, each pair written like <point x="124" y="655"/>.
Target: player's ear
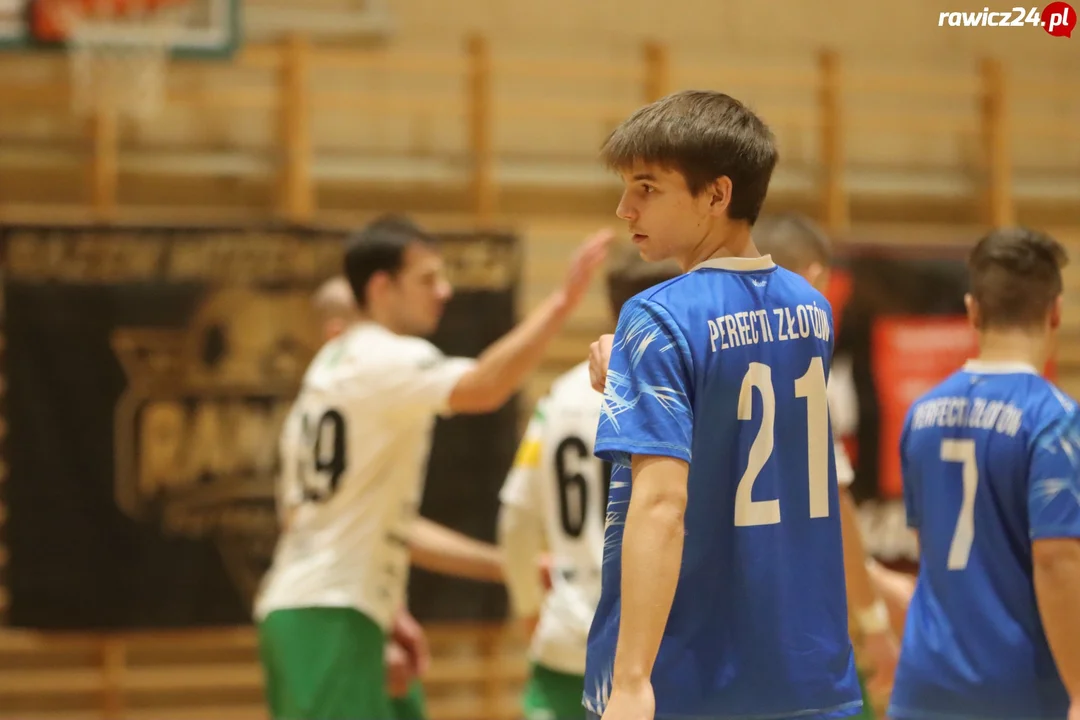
<point x="378" y="285"/>
<point x="719" y="192"/>
<point x="972" y="310"/>
<point x="1055" y="313"/>
<point x="817" y="275"/>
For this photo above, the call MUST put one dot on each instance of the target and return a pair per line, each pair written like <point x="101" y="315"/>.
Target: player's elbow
<point x="508" y="530"/>
<point x="660" y="488"/>
<point x="663" y="505"/>
<point x="1055" y="556"/>
<point x="474" y="395"/>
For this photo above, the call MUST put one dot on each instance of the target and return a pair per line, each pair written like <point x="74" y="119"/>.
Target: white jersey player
<point x="555" y="498"/>
<point x="354" y="454"/>
<point x="354" y="451"/>
<point x="557" y="477"/>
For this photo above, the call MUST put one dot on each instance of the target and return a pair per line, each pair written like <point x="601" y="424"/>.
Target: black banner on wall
<point x="148" y="373"/>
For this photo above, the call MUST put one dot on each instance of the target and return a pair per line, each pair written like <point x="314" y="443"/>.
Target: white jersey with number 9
<point x="354" y="452"/>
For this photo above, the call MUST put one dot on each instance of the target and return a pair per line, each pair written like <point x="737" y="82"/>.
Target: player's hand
<point x="528" y="625"/>
<point x="599" y="355"/>
<point x="1074" y="710"/>
<point x="881" y="652"/>
<point x="408" y="633"/>
<point x="588" y="258"/>
<point x="636" y="703"/>
<point x="544" y="564"/>
<point x="399" y="670"/>
<point x="896" y="589"/>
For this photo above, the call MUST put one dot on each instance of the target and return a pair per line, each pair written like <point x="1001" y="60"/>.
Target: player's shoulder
<point x="663" y="295"/>
<point x="368" y="349"/>
<point x="573" y="389"/>
<point x="792" y="289"/>
<point x="1045" y="404"/>
<point x="1034" y="399"/>
<point x="686" y="290"/>
<point x="1020" y="385"/>
<point x="380" y="345"/>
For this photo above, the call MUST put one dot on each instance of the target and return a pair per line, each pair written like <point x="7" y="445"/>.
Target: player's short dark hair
<point x="628" y="275"/>
<point x="380" y="247"/>
<point x="794" y="241"/>
<point x="1015" y="276"/>
<point x="703" y="135"/>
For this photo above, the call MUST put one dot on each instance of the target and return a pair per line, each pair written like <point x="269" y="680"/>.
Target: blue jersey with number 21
<point x="725" y="368"/>
<point x="990" y="460"/>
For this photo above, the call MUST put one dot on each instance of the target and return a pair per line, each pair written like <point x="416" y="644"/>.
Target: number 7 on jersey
<point x="963" y="451"/>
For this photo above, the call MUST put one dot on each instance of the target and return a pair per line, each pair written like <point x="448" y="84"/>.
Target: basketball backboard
<point x="13" y="25"/>
<point x="211" y="28"/>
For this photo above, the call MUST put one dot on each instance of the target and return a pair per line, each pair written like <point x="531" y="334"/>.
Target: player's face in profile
<point x="664" y="218"/>
<point x="421" y="291"/>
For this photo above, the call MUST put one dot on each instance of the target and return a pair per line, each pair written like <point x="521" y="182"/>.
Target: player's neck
<point x="1014" y="346"/>
<point x="369" y="316"/>
<point x="727" y="240"/>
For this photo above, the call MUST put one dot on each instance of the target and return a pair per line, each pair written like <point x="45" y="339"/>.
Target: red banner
<point x="910" y="356"/>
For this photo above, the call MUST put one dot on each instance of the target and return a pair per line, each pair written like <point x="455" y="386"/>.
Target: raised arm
<point x="502" y="368"/>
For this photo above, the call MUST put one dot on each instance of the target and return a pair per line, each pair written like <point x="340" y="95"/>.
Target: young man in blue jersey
<point x="723" y="575"/>
<point x="990" y="461"/>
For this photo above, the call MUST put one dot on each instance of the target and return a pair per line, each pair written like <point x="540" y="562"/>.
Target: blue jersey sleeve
<point x="907" y="478"/>
<point x="1054" y="482"/>
<point x="647" y="399"/>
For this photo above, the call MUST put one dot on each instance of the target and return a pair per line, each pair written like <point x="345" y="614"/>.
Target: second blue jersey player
<point x="990" y="459"/>
<point x="723" y="576"/>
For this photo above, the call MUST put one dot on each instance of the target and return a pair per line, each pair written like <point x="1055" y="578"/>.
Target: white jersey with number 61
<point x="557" y="477"/>
<point x="354" y="453"/>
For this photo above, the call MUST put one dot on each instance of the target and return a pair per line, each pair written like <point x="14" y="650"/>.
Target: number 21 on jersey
<point x="811" y="385"/>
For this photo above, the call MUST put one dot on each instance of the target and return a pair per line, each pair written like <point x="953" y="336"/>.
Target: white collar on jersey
<point x="765" y="262"/>
<point x="984" y="367"/>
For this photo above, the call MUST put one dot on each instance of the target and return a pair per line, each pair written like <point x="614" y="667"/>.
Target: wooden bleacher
<point x="303" y="132"/>
<point x="477" y="674"/>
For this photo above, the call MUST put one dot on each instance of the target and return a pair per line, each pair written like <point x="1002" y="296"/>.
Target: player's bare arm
<point x="502" y="368"/>
<point x="1057" y="588"/>
<point x="521" y="539"/>
<point x="652" y="554"/>
<point x="879" y="645"/>
<point x="439" y="549"/>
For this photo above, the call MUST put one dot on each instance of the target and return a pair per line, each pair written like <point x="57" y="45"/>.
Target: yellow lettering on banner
<point x="161" y="439"/>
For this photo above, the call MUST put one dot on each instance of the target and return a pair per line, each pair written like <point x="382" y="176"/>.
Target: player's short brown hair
<point x="1015" y="277"/>
<point x="380" y="247"/>
<point x="628" y="275"/>
<point x="703" y="135"/>
<point x="793" y="240"/>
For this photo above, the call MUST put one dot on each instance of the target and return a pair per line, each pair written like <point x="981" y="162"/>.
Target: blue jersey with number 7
<point x="725" y="367"/>
<point x="990" y="460"/>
